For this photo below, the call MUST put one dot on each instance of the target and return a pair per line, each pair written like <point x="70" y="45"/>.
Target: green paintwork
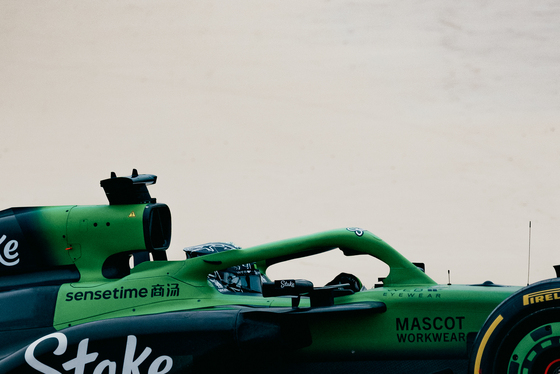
<point x="71" y="266"/>
<point x="422" y="320"/>
<point x="402" y="271"/>
<point x="81" y="235"/>
<point x="50" y="225"/>
<point x="96" y="232"/>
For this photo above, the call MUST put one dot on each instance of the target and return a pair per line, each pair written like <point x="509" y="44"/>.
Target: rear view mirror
<point x="292" y="287"/>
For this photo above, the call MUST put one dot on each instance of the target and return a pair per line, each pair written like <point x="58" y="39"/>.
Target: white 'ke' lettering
<point x="8" y="256"/>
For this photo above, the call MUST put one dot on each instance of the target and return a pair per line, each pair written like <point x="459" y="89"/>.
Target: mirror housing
<point x="287" y="287"/>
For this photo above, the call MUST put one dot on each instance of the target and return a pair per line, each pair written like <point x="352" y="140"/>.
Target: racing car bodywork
<point x="72" y="301"/>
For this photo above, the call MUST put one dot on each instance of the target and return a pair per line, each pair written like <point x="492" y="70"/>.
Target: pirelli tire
<point x="522" y="335"/>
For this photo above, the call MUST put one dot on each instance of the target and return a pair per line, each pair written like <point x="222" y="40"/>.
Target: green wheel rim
<point x="537" y="352"/>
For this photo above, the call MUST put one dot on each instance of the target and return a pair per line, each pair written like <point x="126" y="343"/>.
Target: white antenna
<point x="529" y="259"/>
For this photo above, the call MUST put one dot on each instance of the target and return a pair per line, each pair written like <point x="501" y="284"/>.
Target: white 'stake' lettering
<point x="285" y="283"/>
<point x="160" y="365"/>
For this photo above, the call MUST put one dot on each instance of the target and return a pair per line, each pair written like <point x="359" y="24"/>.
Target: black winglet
<point x="129" y="190"/>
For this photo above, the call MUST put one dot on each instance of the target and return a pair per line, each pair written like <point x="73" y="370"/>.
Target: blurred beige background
<point x="433" y="124"/>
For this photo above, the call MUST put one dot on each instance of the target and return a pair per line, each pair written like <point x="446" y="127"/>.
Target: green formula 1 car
<point x="89" y="290"/>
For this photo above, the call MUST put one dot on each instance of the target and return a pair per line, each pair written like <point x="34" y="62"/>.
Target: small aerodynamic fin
<point x="129" y="190"/>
